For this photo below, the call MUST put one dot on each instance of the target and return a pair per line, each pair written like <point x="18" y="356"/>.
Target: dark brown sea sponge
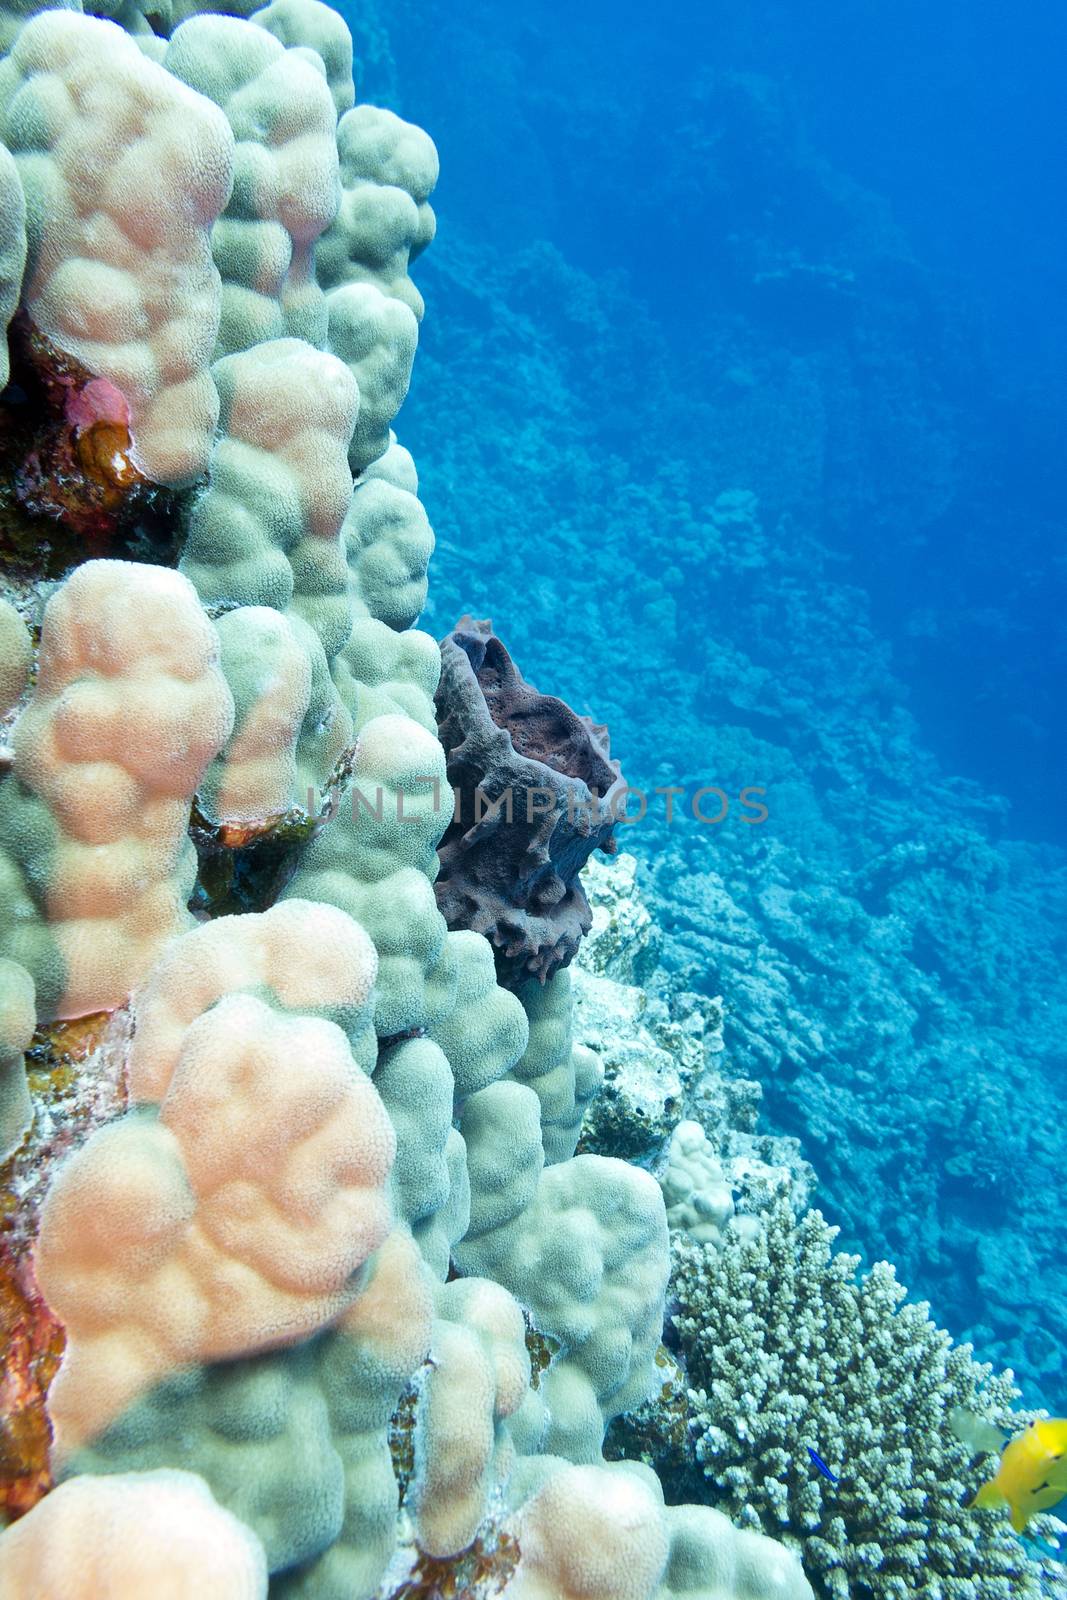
<point x="535" y="788"/>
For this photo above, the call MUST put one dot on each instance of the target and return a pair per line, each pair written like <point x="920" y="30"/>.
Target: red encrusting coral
<point x="68" y="455"/>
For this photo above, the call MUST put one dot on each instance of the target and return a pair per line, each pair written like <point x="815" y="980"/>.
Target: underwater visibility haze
<point x="533" y="859"/>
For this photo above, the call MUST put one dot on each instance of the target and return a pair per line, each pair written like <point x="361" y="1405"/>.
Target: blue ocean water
<point x="738" y="408"/>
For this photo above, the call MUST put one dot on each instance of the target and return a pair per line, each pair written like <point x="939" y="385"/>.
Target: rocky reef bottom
<point x="801" y="1396"/>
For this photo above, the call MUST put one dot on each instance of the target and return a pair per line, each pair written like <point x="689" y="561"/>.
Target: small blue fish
<point x="823" y="1468"/>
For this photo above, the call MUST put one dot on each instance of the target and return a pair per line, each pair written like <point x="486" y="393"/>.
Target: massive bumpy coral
<point x="12" y="249"/>
<point x="266" y="530"/>
<point x="128" y="709"/>
<point x="286" y="182"/>
<point x="313" y="1206"/>
<point x="603" y="1533"/>
<point x="124" y="1537"/>
<point x="388" y="169"/>
<point x="254" y="778"/>
<point x="17" y="1020"/>
<point x="388" y="541"/>
<point x="238" y="1216"/>
<point x="535" y="791"/>
<point x="125" y="170"/>
<point x="320" y="31"/>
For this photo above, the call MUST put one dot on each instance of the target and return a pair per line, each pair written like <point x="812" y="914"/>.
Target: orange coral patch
<point x="76" y="1084"/>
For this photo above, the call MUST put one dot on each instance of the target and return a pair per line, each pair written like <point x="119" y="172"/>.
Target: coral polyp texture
<point x="157" y="1533"/>
<point x="536" y="790"/>
<point x="128" y="708"/>
<point x="287" y="1224"/>
<point x="125" y="171"/>
<point x="12" y="248"/>
<point x="326" y="1264"/>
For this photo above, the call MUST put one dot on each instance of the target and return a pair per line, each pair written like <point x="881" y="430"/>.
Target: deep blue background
<point x="920" y="150"/>
<point x="815" y="254"/>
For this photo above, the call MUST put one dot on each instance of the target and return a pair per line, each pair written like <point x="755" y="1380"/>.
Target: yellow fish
<point x="1032" y="1474"/>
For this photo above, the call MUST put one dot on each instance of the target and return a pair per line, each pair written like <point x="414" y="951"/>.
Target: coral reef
<point x="291" y="1195"/>
<point x="605" y="1534"/>
<point x="124" y="171"/>
<point x="889" y="940"/>
<point x="128" y="708"/>
<point x="536" y="793"/>
<point x="12" y="248"/>
<point x="337" y="1208"/>
<point x="789" y="1353"/>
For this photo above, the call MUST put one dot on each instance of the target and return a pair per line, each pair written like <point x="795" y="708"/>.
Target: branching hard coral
<point x="788" y="1352"/>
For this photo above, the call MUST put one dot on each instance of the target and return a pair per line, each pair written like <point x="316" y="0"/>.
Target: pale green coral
<point x="310" y="26"/>
<point x="565" y="1076"/>
<point x="16" y="650"/>
<point x="380" y="672"/>
<point x="388" y="170"/>
<point x="695" y="1189"/>
<point x="377" y="859"/>
<point x="17" y="1019"/>
<point x="265" y="531"/>
<point x="286" y="182"/>
<point x="388" y="541"/>
<point x="269" y="675"/>
<point x="581" y="1244"/>
<point x="12" y="248"/>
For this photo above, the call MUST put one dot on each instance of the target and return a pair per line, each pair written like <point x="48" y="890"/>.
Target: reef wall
<point x="330" y="1267"/>
<point x="292" y="1194"/>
